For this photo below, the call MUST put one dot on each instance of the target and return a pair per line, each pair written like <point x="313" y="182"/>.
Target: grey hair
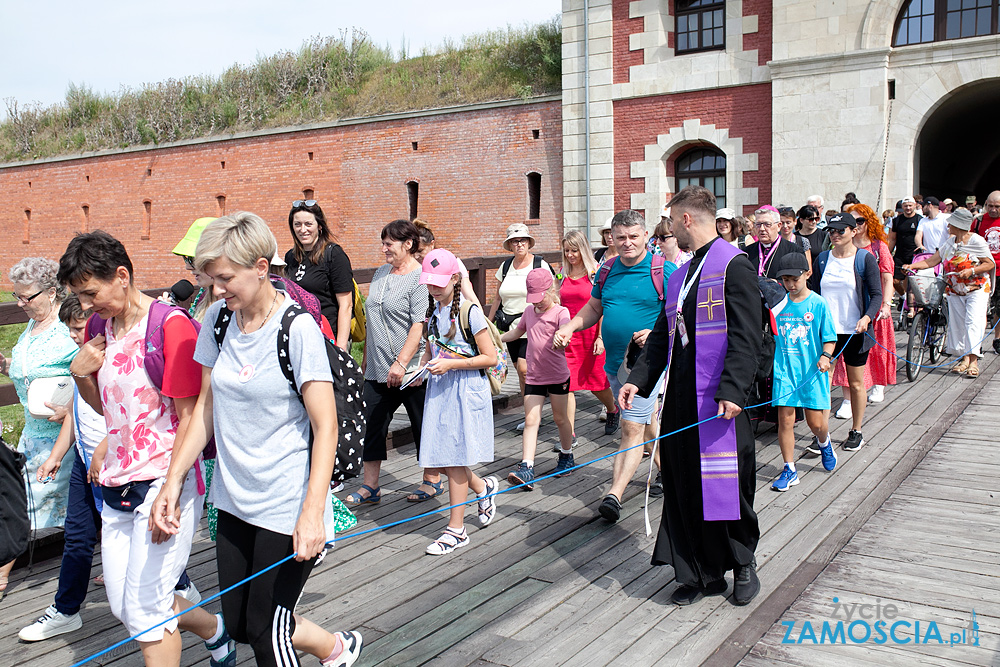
<point x="776" y="217"/>
<point x="628" y="218"/>
<point x="38" y="271"/>
<point x="815" y="198"/>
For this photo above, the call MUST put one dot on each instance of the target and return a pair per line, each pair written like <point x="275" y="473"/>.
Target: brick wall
<point x="744" y="110"/>
<point x="623" y="26"/>
<point x="760" y="40"/>
<point x="471" y="166"/>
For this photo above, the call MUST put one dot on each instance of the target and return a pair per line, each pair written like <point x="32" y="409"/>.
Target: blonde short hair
<point x="242" y="238"/>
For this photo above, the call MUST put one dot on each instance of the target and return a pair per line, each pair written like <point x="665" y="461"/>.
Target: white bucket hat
<point x="518" y="231"/>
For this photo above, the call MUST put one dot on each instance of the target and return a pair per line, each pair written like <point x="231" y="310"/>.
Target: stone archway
<point x="658" y="184"/>
<point x="958" y="145"/>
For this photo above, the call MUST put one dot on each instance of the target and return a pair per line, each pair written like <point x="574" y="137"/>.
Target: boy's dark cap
<point x="792" y="264"/>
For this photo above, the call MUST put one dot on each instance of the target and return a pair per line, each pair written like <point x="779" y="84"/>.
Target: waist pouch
<point x="127" y="497"/>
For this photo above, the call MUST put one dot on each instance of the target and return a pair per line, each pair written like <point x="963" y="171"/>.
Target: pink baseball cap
<point x="438" y="268"/>
<point x="539" y="281"/>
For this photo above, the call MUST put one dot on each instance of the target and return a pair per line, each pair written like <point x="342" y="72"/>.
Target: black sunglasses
<point x="663" y="237"/>
<point x="299" y="203"/>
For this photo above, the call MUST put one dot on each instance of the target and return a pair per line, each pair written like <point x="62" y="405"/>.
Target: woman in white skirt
<point x="458" y="412"/>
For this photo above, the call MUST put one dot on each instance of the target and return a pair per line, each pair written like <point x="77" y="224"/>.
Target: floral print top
<point x="142" y="420"/>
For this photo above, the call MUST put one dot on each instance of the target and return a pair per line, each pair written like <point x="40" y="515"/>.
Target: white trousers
<point x="139" y="576"/>
<point x="967" y="322"/>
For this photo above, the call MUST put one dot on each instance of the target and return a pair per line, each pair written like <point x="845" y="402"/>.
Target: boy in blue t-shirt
<point x="804" y="331"/>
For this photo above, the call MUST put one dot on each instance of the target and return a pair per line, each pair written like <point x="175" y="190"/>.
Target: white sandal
<point x="488" y="505"/>
<point x="450" y="540"/>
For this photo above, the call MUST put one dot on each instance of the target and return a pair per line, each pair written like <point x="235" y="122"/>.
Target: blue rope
<point x="957" y="359"/>
<point x="439" y="510"/>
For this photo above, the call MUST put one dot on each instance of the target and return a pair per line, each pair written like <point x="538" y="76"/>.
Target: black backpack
<point x="14" y="524"/>
<point x="348" y="386"/>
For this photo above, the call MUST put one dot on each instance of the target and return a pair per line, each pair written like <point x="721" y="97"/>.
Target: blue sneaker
<point x="565" y="465"/>
<point x="224" y="641"/>
<point x="787" y="478"/>
<point x="523" y="474"/>
<point x="829" y="456"/>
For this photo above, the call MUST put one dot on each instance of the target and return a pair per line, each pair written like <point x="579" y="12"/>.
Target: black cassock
<point x="702" y="551"/>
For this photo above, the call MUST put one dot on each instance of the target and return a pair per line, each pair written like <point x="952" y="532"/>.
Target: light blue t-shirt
<point x="630" y="303"/>
<point x="802" y="329"/>
<point x="261" y="427"/>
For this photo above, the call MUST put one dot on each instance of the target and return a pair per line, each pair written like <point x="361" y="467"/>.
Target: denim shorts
<point x="642" y="408"/>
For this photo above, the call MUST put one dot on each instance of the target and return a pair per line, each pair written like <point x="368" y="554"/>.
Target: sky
<point x="106" y="44"/>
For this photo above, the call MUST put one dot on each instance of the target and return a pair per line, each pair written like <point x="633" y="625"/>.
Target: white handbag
<point x="54" y="390"/>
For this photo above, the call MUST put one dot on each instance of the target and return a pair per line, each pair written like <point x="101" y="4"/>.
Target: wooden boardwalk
<point x="550" y="583"/>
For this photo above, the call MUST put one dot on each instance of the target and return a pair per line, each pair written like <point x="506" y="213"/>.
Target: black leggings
<point x="259" y="613"/>
<point x="382" y="401"/>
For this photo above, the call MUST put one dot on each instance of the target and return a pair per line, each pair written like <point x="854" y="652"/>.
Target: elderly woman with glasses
<point x="43" y="350"/>
<point x="318" y="264"/>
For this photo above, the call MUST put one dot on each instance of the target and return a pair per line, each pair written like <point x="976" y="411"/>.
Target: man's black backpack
<point x="348" y="386"/>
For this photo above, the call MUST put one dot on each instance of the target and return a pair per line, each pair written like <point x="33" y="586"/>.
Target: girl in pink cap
<point x="457" y="429"/>
<point x="548" y="375"/>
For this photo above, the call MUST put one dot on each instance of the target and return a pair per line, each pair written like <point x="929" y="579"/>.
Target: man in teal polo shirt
<point x="630" y="302"/>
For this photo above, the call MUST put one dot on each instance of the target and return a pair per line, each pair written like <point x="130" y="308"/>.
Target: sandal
<point x="450" y="540"/>
<point x="488" y="504"/>
<point x="420" y="495"/>
<point x="973" y="372"/>
<point x="374" y="497"/>
<point x="962" y="367"/>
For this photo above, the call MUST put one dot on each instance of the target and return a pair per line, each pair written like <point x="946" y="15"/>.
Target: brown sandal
<point x="961" y="367"/>
<point x="973" y="372"/>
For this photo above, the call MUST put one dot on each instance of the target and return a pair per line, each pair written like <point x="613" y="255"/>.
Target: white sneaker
<point x="877" y="394"/>
<point x="845" y="410"/>
<point x="190" y="593"/>
<point x="520" y="427"/>
<point x="51" y="624"/>
<point x="603" y="416"/>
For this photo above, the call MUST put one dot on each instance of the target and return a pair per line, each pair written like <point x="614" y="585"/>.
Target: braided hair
<point x="456" y="306"/>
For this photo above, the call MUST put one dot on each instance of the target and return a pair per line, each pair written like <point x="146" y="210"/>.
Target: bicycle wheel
<point x="916" y="346"/>
<point x="938" y="337"/>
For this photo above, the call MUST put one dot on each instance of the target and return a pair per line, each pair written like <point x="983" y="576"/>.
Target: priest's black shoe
<point x="746" y="584"/>
<point x="686" y="595"/>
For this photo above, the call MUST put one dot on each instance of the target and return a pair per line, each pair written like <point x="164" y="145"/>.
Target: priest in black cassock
<point x="712" y="343"/>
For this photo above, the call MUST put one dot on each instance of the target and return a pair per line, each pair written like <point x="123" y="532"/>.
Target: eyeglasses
<point x="519" y="241"/>
<point x="816" y="219"/>
<point x="762" y="225"/>
<point x="663" y="237"/>
<point x="27" y="299"/>
<point x="299" y="203"/>
<point x="834" y="230"/>
<point x="189" y="262"/>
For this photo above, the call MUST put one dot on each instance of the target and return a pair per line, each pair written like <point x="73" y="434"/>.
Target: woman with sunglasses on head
<point x="320" y="266"/>
<point x="848" y="278"/>
<point x="667" y="243"/>
<point x="43" y="350"/>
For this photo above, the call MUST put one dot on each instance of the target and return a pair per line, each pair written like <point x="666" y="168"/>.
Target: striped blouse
<point x="395" y="303"/>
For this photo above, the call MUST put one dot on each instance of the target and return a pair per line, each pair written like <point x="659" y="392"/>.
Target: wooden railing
<point x="480" y="268"/>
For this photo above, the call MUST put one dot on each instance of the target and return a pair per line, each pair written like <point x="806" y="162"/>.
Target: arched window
<point x="705" y="167"/>
<point x="922" y="21"/>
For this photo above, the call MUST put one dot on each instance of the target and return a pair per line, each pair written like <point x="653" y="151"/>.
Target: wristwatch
<point x="827" y="355"/>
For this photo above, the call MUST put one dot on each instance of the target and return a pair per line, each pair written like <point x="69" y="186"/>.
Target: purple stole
<point x="716" y="438"/>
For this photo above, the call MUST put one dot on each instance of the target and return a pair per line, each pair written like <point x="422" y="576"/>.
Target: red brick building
<point x="469" y="172"/>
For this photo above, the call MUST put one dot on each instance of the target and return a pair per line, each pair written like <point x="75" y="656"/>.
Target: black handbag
<point x="127" y="497"/>
<point x="15" y="526"/>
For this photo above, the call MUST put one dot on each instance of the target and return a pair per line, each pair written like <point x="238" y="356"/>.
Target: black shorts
<point x="853" y="356"/>
<point x="898" y="273"/>
<point x="560" y="389"/>
<point x="518" y="349"/>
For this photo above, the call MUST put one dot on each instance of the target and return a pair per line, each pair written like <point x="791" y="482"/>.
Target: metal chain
<point x="885" y="154"/>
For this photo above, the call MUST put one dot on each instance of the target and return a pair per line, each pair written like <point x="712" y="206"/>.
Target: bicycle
<point x="929" y="328"/>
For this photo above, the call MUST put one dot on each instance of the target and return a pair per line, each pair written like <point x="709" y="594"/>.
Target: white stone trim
<point x="663" y="72"/>
<point x="653" y="169"/>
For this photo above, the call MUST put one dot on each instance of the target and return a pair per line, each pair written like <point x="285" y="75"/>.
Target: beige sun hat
<point x="518" y="230"/>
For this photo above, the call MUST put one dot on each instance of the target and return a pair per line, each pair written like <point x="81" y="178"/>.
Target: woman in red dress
<point x="881" y="368"/>
<point x="585" y="352"/>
